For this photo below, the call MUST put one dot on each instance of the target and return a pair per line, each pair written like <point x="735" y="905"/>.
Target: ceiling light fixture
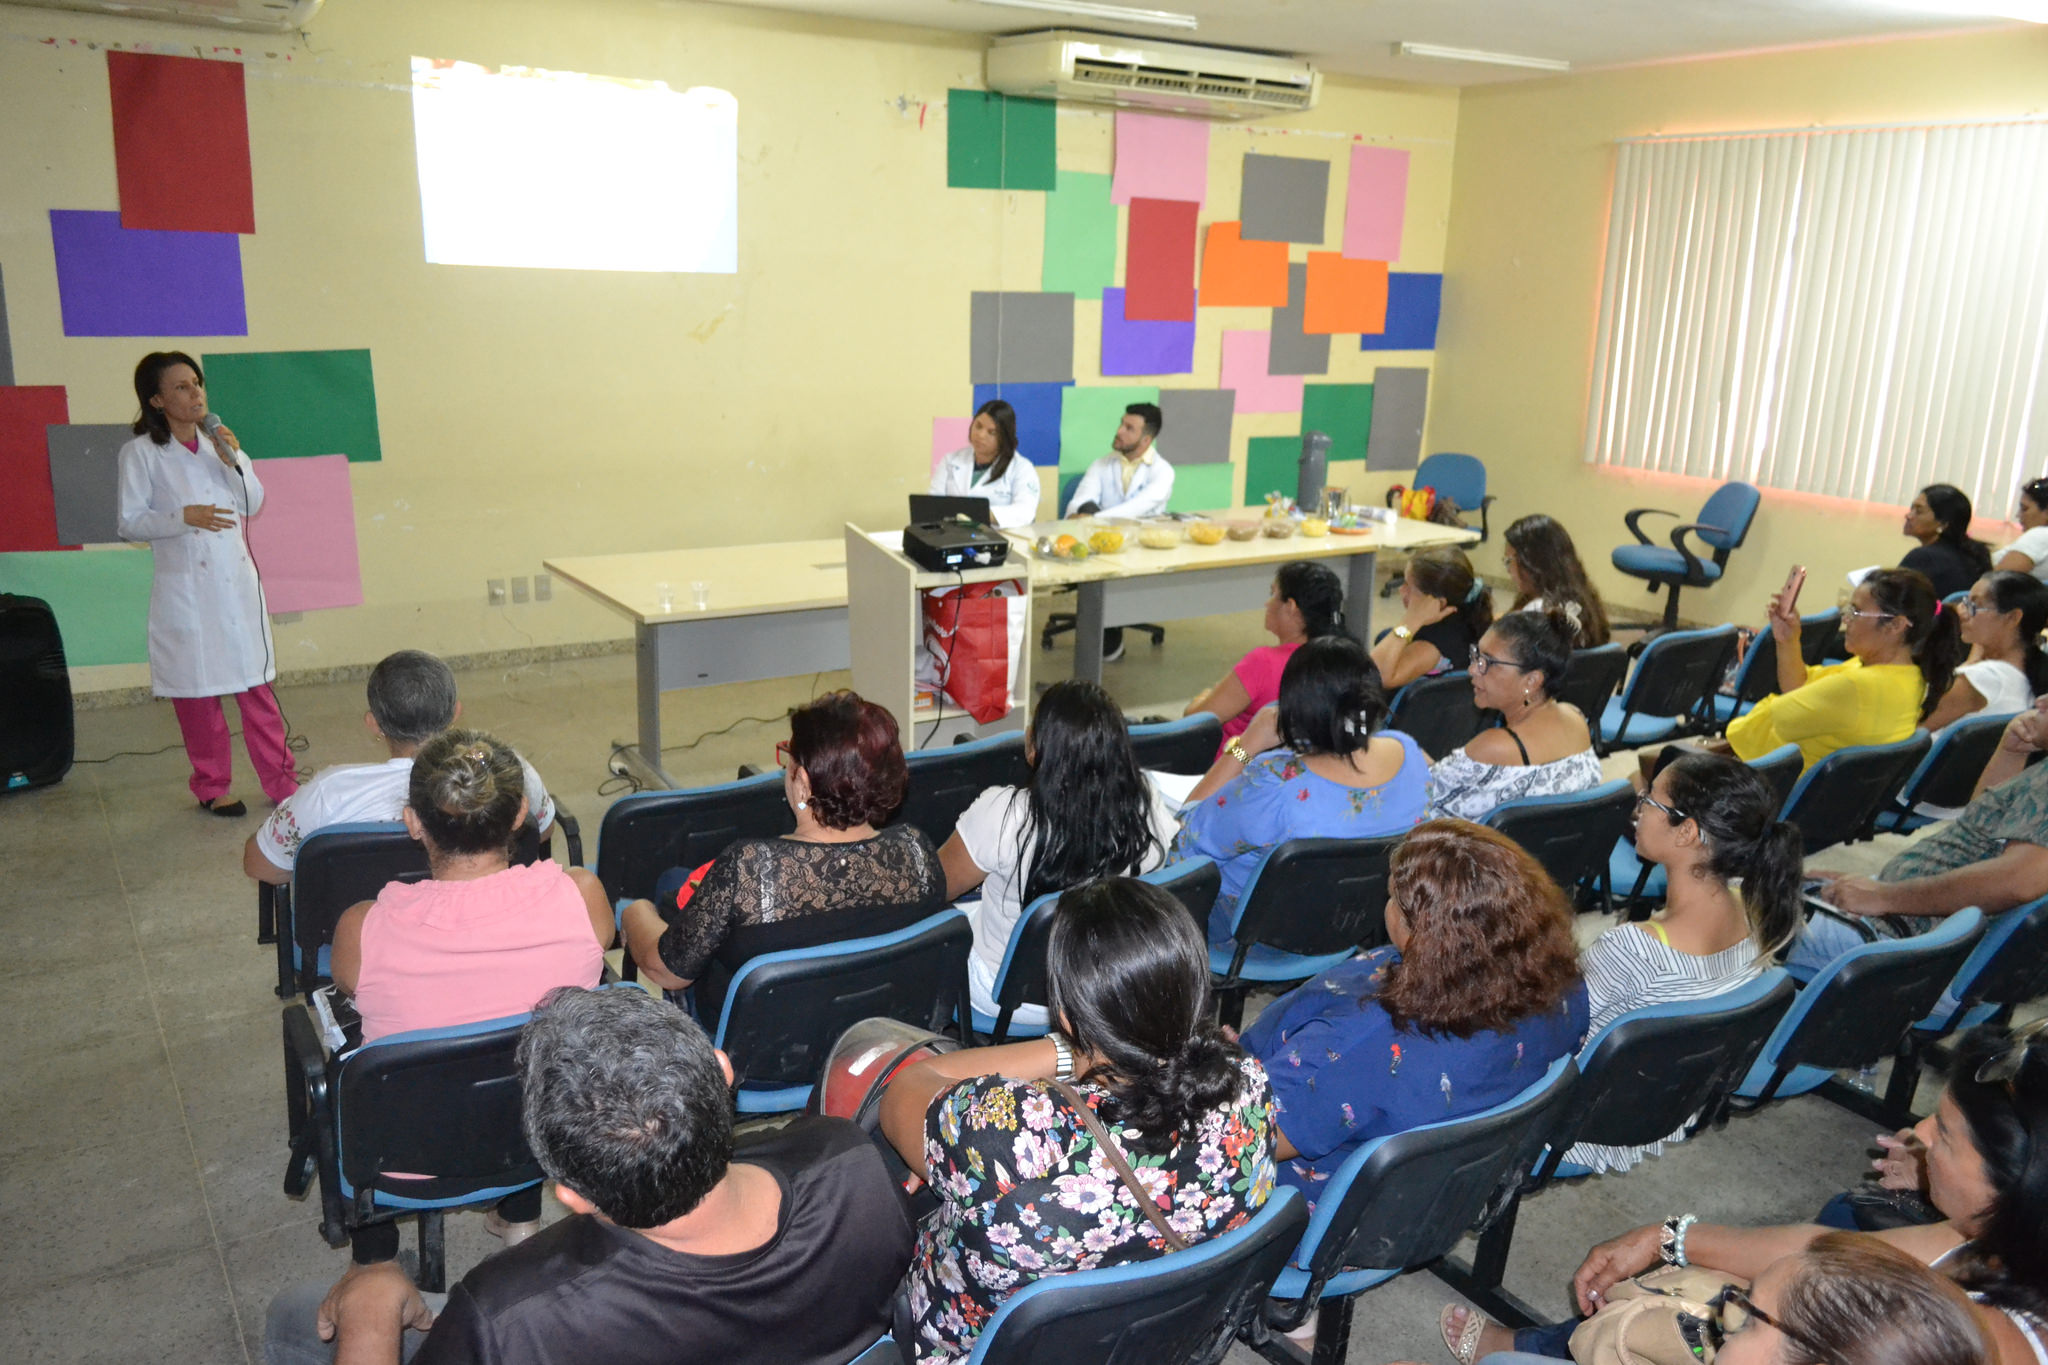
<point x="1118" y="14"/>
<point x="1432" y="52"/>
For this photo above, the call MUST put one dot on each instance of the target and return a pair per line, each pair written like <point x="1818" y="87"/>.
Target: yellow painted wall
<point x="1522" y="281"/>
<point x="530" y="414"/>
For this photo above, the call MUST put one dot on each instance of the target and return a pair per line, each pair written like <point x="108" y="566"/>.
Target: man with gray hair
<point x="684" y="1248"/>
<point x="412" y="699"/>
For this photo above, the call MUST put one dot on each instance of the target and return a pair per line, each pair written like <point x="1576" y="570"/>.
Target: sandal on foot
<point x="1465" y="1346"/>
<point x="227" y="806"/>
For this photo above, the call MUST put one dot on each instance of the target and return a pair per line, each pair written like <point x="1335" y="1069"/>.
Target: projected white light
<point x="557" y="170"/>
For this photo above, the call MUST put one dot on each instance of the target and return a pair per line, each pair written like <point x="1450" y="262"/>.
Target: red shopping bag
<point x="972" y="633"/>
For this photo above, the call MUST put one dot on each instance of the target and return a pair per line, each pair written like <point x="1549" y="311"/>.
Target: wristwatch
<point x="1403" y="634"/>
<point x="1236" y="751"/>
<point x="1063" y="1070"/>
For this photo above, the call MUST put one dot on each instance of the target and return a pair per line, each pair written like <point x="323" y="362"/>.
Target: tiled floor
<point x="141" y="1116"/>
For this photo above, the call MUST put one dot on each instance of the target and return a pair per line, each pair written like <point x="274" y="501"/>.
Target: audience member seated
<point x="481" y="939"/>
<point x="1985" y="1173"/>
<point x="2029" y="553"/>
<point x="1026" y="1176"/>
<point x="1993" y="856"/>
<point x="1548" y="576"/>
<point x="1842" y="1300"/>
<point x="1446" y="608"/>
<point x="1312" y="766"/>
<point x="683" y="1243"/>
<point x="1478" y="993"/>
<point x="2002" y="623"/>
<point x="834" y="878"/>
<point x="1088" y="812"/>
<point x="1904" y="648"/>
<point x="1708" y="821"/>
<point x="412" y="699"/>
<point x="1306" y="603"/>
<point x="1541" y="747"/>
<point x="1940" y="520"/>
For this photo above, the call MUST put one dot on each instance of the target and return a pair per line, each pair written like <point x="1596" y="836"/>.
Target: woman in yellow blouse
<point x="1904" y="646"/>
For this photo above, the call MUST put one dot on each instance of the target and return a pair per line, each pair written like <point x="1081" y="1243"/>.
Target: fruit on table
<point x="1159" y="538"/>
<point x="1314" y="526"/>
<point x="1106" y="542"/>
<point x="1205" y="533"/>
<point x="1065" y="544"/>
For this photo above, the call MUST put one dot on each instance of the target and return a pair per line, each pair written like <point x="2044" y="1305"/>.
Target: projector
<point x="950" y="546"/>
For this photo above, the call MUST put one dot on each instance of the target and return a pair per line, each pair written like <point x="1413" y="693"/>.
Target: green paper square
<point x="287" y="403"/>
<point x="1089" y="418"/>
<point x="1203" y="488"/>
<point x="1080" y="237"/>
<point x="1343" y="412"/>
<point x="1272" y="464"/>
<point x="101" y="598"/>
<point x="994" y="142"/>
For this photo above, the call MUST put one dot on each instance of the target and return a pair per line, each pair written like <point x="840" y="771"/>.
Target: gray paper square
<point x="1283" y="198"/>
<point x="1293" y="351"/>
<point x="1022" y="339"/>
<point x="1399" y="399"/>
<point x="1195" y="425"/>
<point x="85" y="477"/>
<point x="6" y="346"/>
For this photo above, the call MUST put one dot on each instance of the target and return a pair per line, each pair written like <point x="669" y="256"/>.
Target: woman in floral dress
<point x="1025" y="1190"/>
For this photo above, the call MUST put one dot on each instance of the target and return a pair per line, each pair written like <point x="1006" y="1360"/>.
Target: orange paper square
<point x="1241" y="274"/>
<point x="1344" y="295"/>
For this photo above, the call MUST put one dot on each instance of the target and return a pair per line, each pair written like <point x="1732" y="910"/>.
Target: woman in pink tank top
<point x="482" y="939"/>
<point x="1307" y="603"/>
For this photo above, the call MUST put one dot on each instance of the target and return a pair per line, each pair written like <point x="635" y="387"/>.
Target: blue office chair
<point x="1948" y="775"/>
<point x="1403" y="1201"/>
<point x="1309" y="905"/>
<point x="1462" y="479"/>
<point x="1185" y="1306"/>
<point x="1670" y="693"/>
<point x="1722" y="526"/>
<point x="1186" y="747"/>
<point x="783" y="1010"/>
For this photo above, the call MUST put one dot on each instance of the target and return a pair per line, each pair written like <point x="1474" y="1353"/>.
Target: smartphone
<point x="1794" y="581"/>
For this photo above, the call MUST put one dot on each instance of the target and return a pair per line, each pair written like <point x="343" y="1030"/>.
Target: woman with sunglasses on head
<point x="835" y="876"/>
<point x="1544" y="566"/>
<point x="1542" y="746"/>
<point x="1986" y="1147"/>
<point x="2029" y="552"/>
<point x="1940" y="520"/>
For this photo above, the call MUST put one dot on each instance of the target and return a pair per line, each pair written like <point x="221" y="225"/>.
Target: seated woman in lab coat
<point x="988" y="466"/>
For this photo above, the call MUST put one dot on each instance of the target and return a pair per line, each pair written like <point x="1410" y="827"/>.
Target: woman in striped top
<point x="1710" y="821"/>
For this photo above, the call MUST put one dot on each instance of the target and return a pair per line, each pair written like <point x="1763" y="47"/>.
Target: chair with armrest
<point x="1310" y="904"/>
<point x="945" y="781"/>
<point x="1723" y="524"/>
<point x="1437" y="712"/>
<point x="783" y="1011"/>
<point x="1670" y="693"/>
<point x="1643" y="1077"/>
<point x="1571" y="833"/>
<point x="1948" y="775"/>
<point x="1186" y="746"/>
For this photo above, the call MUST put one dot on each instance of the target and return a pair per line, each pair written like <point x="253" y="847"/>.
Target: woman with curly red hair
<point x="833" y="877"/>
<point x="1478" y="992"/>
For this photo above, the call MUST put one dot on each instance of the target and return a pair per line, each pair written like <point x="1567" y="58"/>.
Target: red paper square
<point x="181" y="143"/>
<point x="28" y="508"/>
<point x="1159" y="264"/>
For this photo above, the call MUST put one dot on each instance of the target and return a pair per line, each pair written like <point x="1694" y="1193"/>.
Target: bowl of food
<point x="1205" y="533"/>
<point x="1277" y="528"/>
<point x="1106" y="542"/>
<point x="1159" y="538"/>
<point x="1314" y="527"/>
<point x="1241" y="530"/>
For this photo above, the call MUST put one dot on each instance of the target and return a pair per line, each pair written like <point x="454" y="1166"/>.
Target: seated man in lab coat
<point x="1134" y="481"/>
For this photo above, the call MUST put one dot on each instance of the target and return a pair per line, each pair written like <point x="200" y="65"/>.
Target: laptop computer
<point x="925" y="507"/>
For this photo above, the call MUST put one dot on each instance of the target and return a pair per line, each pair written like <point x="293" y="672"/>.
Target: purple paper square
<point x="1144" y="347"/>
<point x="127" y="282"/>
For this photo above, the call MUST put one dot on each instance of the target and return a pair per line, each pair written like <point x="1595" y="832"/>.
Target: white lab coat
<point x="1012" y="499"/>
<point x="209" y="626"/>
<point x="1103" y="484"/>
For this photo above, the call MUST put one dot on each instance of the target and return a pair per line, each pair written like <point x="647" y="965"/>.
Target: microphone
<point x="211" y="425"/>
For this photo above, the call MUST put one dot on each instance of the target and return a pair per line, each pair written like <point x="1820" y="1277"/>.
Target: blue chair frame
<point x="1594" y="820"/>
<point x="1273" y="940"/>
<point x="1670" y="694"/>
<point x="1186" y="747"/>
<point x="1948" y="775"/>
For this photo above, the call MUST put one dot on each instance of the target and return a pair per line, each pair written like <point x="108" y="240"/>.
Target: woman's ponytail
<point x="1772" y="879"/>
<point x="1933" y="632"/>
<point x="1736" y="810"/>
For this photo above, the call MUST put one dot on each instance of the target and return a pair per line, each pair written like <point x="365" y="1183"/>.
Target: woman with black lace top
<point x="835" y="877"/>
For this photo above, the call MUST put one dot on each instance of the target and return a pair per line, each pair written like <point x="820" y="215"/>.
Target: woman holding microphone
<point x="186" y="491"/>
<point x="988" y="467"/>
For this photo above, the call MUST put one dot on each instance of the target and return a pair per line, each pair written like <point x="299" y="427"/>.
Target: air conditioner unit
<point x="258" y="16"/>
<point x="1178" y="78"/>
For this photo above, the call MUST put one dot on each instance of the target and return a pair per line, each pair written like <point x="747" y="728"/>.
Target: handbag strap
<point x="1146" y="1203"/>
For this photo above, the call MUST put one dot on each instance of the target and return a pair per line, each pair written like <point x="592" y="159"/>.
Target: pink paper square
<point x="1158" y="157"/>
<point x="1375" y="200"/>
<point x="948" y="435"/>
<point x="1245" y="356"/>
<point x="304" y="539"/>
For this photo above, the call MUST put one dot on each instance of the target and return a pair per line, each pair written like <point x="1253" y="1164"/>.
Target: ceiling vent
<point x="247" y="16"/>
<point x="1135" y="73"/>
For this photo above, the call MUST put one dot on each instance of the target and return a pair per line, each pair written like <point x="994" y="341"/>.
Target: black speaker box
<point x="36" y="733"/>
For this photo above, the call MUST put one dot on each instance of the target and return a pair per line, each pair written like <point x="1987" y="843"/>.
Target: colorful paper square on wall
<point x="113" y="282"/>
<point x="996" y="142"/>
<point x="1159" y="263"/>
<point x="1130" y="347"/>
<point x="28" y="507"/>
<point x="181" y="143"/>
<point x="1414" y="306"/>
<point x="1080" y="237"/>
<point x="304" y="539"/>
<point x="1245" y="361"/>
<point x="1241" y="274"/>
<point x="1088" y="421"/>
<point x="1020" y="338"/>
<point x="1343" y="412"/>
<point x="1292" y="349"/>
<point x="1159" y="156"/>
<point x="283" y="404"/>
<point x="1284" y="198"/>
<point x="1272" y="464"/>
<point x="1203" y="488"/>
<point x="1344" y="295"/>
<point x="100" y="598"/>
<point x="1195" y="425"/>
<point x="1038" y="417"/>
<point x="1375" y="201"/>
<point x="85" y="476"/>
<point x="948" y="435"/>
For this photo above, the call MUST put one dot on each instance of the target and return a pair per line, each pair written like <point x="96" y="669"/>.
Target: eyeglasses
<point x="1737" y="1310"/>
<point x="2006" y="1065"/>
<point x="783" y="757"/>
<point x="1675" y="815"/>
<point x="1483" y="662"/>
<point x="1849" y="612"/>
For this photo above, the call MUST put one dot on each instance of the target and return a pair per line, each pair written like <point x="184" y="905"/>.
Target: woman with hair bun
<point x="1446" y="608"/>
<point x="1542" y="747"/>
<point x="1306" y="603"/>
<point x="1544" y="565"/>
<point x="1940" y="520"/>
<point x="836" y="876"/>
<point x="1003" y="1135"/>
<point x="480" y="939"/>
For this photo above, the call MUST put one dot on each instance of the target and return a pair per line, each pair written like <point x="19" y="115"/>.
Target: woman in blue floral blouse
<point x="1024" y="1190"/>
<point x="1313" y="767"/>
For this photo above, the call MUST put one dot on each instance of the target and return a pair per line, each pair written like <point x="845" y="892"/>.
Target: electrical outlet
<point x="543" y="587"/>
<point x="519" y="589"/>
<point x="494" y="591"/>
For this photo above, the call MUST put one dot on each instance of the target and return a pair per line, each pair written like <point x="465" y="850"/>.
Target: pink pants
<point x="205" y="728"/>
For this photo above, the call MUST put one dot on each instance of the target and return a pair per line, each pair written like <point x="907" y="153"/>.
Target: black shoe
<point x="226" y="809"/>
